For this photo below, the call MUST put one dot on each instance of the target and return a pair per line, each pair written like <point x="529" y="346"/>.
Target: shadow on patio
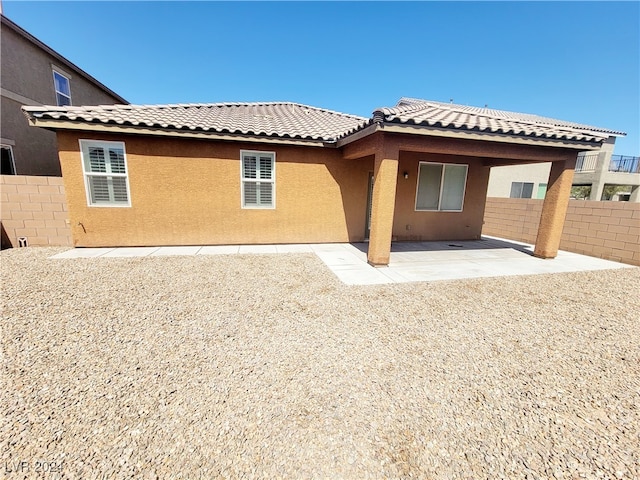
<point x="486" y="243"/>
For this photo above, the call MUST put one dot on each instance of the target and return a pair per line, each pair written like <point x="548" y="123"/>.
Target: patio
<point x="410" y="261"/>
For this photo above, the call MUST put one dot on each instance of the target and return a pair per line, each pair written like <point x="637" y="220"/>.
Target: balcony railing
<point x="624" y="164"/>
<point x="586" y="162"/>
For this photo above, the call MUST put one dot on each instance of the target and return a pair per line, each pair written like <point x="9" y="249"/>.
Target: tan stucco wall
<point x="187" y="192"/>
<point x="425" y="226"/>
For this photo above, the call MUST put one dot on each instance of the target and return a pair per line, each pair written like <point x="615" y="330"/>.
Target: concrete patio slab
<point x="333" y="259"/>
<point x="360" y="274"/>
<point x="329" y="247"/>
<point x="83" y="253"/>
<point x="409" y="261"/>
<point x="167" y="251"/>
<point x="219" y="250"/>
<point x="130" y="252"/>
<point x="294" y="248"/>
<point x="257" y="249"/>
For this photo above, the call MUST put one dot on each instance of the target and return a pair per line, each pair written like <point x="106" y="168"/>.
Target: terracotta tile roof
<point x="413" y="111"/>
<point x="287" y="120"/>
<point x="271" y="119"/>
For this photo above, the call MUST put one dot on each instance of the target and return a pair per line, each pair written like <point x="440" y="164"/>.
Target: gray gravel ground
<point x="254" y="366"/>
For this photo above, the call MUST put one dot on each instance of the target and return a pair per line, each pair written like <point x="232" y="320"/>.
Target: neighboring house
<point x="34" y="74"/>
<point x="519" y="181"/>
<point x="596" y="170"/>
<point x="238" y="173"/>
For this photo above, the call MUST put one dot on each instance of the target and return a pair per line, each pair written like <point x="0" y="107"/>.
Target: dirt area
<point x="266" y="366"/>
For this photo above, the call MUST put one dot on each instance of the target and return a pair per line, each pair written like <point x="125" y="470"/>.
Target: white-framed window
<point x="441" y="187"/>
<point x="521" y="190"/>
<point x="105" y="173"/>
<point x="63" y="90"/>
<point x="258" y="178"/>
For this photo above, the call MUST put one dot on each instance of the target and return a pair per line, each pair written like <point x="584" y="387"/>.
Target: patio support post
<point x="554" y="208"/>
<point x="385" y="179"/>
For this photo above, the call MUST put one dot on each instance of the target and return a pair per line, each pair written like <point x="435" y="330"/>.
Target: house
<point x="601" y="172"/>
<point x="34" y="74"/>
<point x="238" y="173"/>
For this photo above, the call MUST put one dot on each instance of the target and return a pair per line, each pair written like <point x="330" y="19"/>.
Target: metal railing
<point x="624" y="164"/>
<point x="586" y="162"/>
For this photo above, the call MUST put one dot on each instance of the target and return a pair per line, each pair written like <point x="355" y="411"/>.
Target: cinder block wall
<point x="512" y="218"/>
<point x="35" y="208"/>
<point x="609" y="230"/>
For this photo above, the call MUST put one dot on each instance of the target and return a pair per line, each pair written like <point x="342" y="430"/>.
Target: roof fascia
<point x="26" y="35"/>
<point x="97" y="127"/>
<point x="486" y="136"/>
<point x="463" y="135"/>
<point x="357" y="135"/>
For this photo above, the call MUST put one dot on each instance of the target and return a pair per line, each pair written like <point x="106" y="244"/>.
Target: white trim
<point x="272" y="181"/>
<point x="86" y="175"/>
<point x="13" y="158"/>
<point x="68" y="79"/>
<point x="61" y="71"/>
<point x="22" y="100"/>
<point x="6" y="141"/>
<point x="442" y="174"/>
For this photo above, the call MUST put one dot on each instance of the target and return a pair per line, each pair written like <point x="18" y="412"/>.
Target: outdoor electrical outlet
<point x="408" y="227"/>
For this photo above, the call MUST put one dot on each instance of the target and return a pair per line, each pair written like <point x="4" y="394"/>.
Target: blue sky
<point x="577" y="61"/>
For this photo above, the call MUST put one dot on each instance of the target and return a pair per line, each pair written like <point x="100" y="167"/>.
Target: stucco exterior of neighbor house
<point x="238" y="173"/>
<point x="34" y="74"/>
<point x="594" y="169"/>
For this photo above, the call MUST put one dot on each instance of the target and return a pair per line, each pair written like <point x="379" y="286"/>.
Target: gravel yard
<point x="266" y="366"/>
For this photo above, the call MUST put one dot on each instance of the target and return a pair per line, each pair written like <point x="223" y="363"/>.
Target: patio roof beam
<point x="496" y="153"/>
<point x="484" y="136"/>
<point x="499" y="153"/>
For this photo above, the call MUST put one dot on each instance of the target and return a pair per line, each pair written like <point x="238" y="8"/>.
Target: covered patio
<point x="431" y="167"/>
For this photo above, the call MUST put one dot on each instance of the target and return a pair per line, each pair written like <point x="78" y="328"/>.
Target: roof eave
<point x="357" y="134"/>
<point x="470" y="135"/>
<point x="55" y="125"/>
